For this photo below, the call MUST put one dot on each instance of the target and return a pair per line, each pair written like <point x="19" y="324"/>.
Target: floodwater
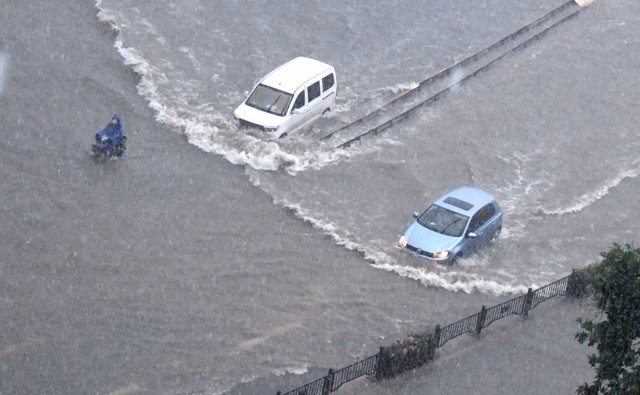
<point x="207" y="262"/>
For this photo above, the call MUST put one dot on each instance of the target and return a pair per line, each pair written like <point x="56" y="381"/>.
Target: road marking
<point x="129" y="389"/>
<point x="14" y="348"/>
<point x="4" y="63"/>
<point x="268" y="335"/>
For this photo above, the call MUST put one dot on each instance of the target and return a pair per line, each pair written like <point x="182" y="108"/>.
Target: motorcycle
<point x="110" y="141"/>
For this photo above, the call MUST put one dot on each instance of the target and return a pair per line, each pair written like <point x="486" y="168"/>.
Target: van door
<point x="314" y="102"/>
<point x="296" y="117"/>
<point x="301" y="115"/>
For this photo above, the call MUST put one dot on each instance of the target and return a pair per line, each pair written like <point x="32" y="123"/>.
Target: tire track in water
<point x="433" y="88"/>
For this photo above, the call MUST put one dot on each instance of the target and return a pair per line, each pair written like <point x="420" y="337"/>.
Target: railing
<point x="314" y="388"/>
<point x="419" y="349"/>
<point x="513" y="306"/>
<point x="367" y="366"/>
<point x="451" y="331"/>
<point x="332" y="381"/>
<point x="549" y="291"/>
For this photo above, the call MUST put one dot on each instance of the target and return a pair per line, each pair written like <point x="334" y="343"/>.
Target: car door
<point x="471" y="243"/>
<point x="480" y="225"/>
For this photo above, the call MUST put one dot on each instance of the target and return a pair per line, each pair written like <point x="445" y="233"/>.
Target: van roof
<point x="294" y="73"/>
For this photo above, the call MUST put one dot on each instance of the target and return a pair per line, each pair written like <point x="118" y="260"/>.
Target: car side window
<point x="475" y="223"/>
<point x="490" y="211"/>
<point x="481" y="217"/>
<point x="299" y="103"/>
<point x="327" y="82"/>
<point x="313" y="91"/>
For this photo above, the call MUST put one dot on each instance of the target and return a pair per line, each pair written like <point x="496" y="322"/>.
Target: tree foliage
<point x="615" y="283"/>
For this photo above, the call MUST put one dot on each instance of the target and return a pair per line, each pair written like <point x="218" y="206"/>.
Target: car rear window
<point x="461" y="204"/>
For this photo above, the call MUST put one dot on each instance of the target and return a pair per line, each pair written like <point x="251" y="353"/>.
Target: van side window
<point x="327" y="82"/>
<point x="299" y="103"/>
<point x="313" y="91"/>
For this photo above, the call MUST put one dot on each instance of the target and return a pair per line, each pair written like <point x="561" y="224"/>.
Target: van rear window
<point x="327" y="82"/>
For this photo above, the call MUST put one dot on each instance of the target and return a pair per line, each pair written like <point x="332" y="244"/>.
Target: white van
<point x="290" y="97"/>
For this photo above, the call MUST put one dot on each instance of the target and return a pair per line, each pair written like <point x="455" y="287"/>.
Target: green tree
<point x="615" y="283"/>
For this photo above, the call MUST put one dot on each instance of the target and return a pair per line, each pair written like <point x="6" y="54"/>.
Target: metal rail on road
<point x="434" y="87"/>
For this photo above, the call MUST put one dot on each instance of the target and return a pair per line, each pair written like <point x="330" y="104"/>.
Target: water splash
<point x="583" y="3"/>
<point x="591" y="197"/>
<point x="454" y="280"/>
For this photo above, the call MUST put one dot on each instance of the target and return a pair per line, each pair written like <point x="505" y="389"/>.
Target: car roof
<point x="461" y="198"/>
<point x="294" y="73"/>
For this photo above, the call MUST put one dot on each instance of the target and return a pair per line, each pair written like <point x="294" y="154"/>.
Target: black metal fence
<point x="419" y="349"/>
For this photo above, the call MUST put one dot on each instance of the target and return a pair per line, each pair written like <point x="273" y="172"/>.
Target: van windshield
<point x="269" y="100"/>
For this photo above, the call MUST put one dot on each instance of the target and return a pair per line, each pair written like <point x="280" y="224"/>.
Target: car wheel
<point x="455" y="259"/>
<point x="496" y="234"/>
<point x="283" y="135"/>
<point x="326" y="111"/>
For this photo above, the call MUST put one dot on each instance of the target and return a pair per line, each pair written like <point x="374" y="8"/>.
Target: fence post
<point x="577" y="283"/>
<point x="571" y="283"/>
<point x="429" y="355"/>
<point x="482" y="316"/>
<point x="328" y="383"/>
<point x="526" y="306"/>
<point x="380" y="366"/>
<point x="436" y="338"/>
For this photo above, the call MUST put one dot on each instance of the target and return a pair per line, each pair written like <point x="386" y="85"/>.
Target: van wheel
<point x="326" y="111"/>
<point x="283" y="135"/>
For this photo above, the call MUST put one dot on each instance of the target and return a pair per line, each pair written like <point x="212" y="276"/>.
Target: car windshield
<point x="442" y="220"/>
<point x="269" y="100"/>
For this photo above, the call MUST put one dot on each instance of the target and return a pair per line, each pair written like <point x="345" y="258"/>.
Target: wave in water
<point x="591" y="197"/>
<point x="434" y="276"/>
<point x="454" y="280"/>
<point x="213" y="133"/>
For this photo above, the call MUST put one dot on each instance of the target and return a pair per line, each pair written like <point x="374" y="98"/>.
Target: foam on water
<point x="340" y="236"/>
<point x="520" y="190"/>
<point x="297" y="370"/>
<point x="584" y="3"/>
<point x="212" y="134"/>
<point x="210" y="131"/>
<point x="430" y="275"/>
<point x="593" y="196"/>
<point x="454" y="280"/>
<point x="526" y="173"/>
